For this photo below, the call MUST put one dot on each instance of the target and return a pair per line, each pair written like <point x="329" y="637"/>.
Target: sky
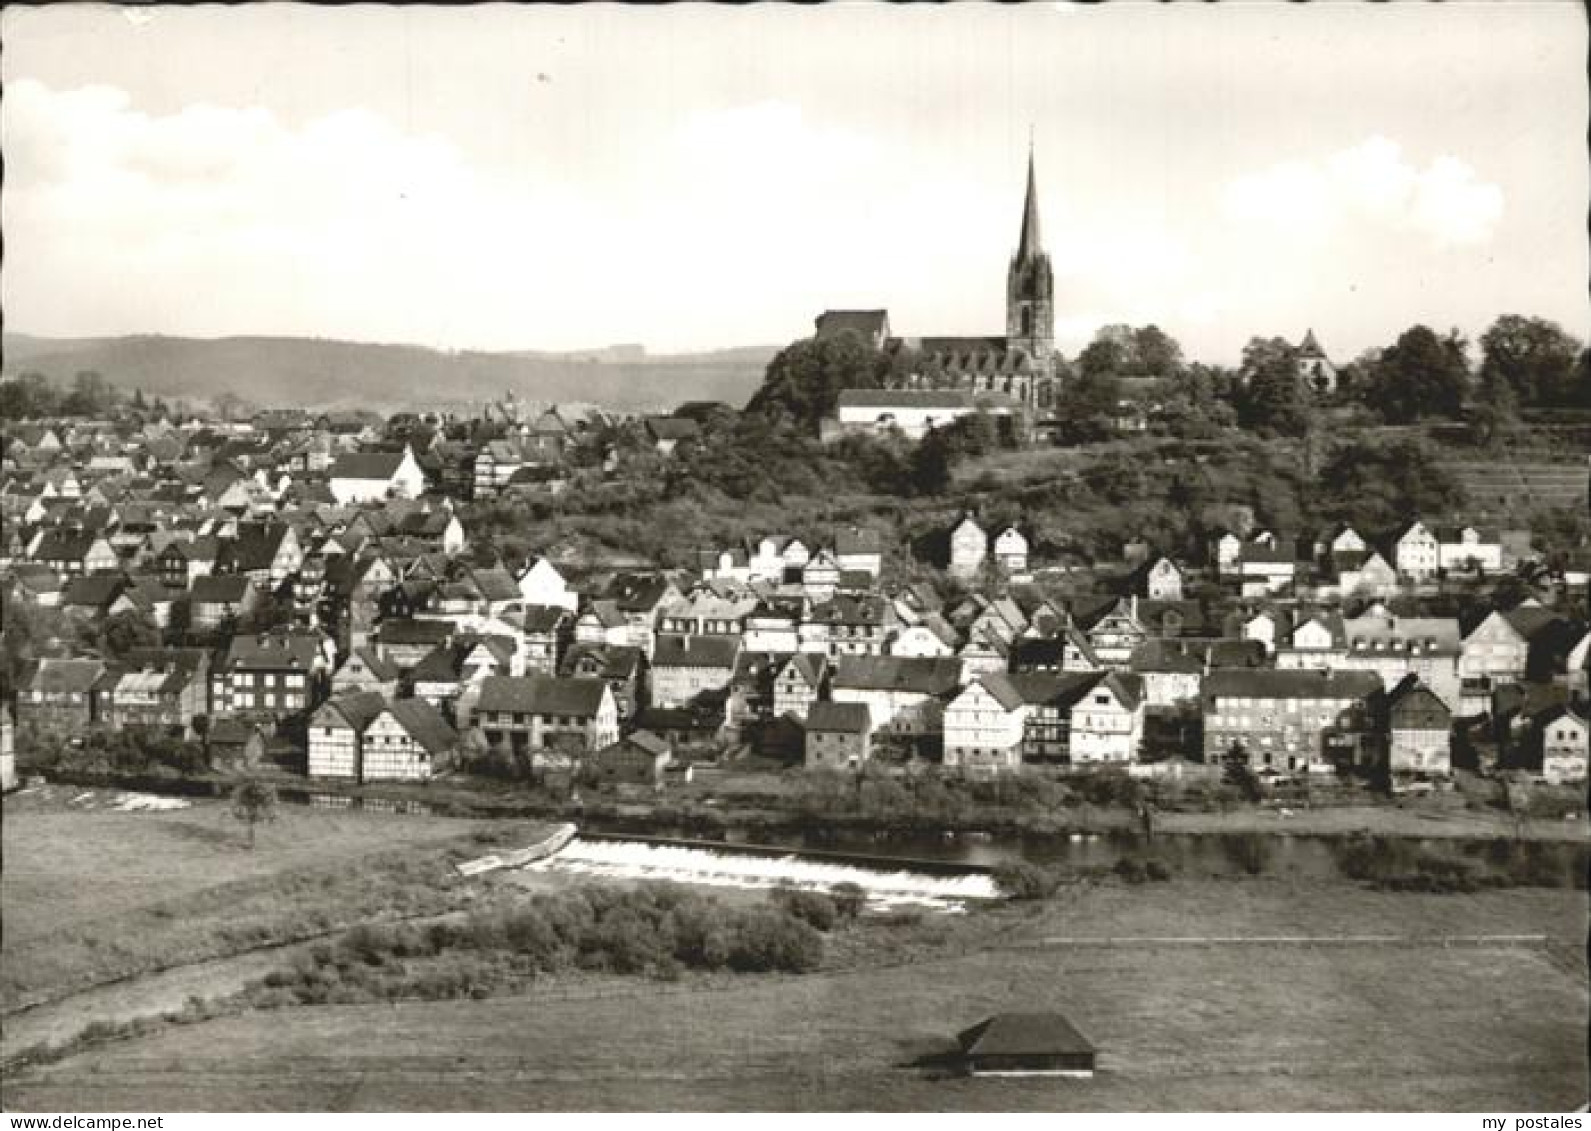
<point x="695" y="177"/>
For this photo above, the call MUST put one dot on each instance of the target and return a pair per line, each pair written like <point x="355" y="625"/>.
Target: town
<point x="837" y="558"/>
<point x="356" y="598"/>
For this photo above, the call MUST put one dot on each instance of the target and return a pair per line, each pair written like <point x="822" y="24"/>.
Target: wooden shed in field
<point x="1026" y="1044"/>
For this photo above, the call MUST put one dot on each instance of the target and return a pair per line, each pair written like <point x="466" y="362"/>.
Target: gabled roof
<point x="357" y="708"/>
<point x="839" y="718"/>
<point x="674" y="650"/>
<point x="1259" y="683"/>
<point x="59" y="677"/>
<point x="424" y="724"/>
<point x="924" y="675"/>
<point x="220" y="588"/>
<point x="579" y="696"/>
<point x="377" y="466"/>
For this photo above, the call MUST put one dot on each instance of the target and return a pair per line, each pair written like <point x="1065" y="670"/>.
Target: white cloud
<point x="1371" y="184"/>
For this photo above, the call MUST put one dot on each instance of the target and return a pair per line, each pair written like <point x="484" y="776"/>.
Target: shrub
<point x="1020" y="880"/>
<point x="1157" y="871"/>
<point x="766" y="939"/>
<point x="1249" y="851"/>
<point x="849" y="899"/>
<point x="1131" y="870"/>
<point x="811" y="907"/>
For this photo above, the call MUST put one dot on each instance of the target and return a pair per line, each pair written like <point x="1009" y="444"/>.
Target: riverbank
<point x="759" y="806"/>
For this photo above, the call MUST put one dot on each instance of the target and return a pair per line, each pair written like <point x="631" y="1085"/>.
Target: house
<point x="1468" y="549"/>
<point x="540" y="583"/>
<point x="404" y="643"/>
<point x="91" y="597"/>
<point x="640" y="758"/>
<point x="774" y="625"/>
<point x="365" y="670"/>
<point x="1113" y="630"/>
<point x="798" y="684"/>
<point x="1314" y="367"/>
<point x="221" y="598"/>
<point x="544" y="630"/>
<point x="1264" y="569"/>
<point x="58" y="695"/>
<point x="983" y="727"/>
<point x="156" y="688"/>
<point x="1564" y="737"/>
<point x="1162" y="580"/>
<point x="1394" y="647"/>
<point x="181" y="561"/>
<point x="820" y="577"/>
<point x="8" y="750"/>
<point x="668" y="432"/>
<point x="847" y="625"/>
<point x="838" y="736"/>
<point x="620" y="665"/>
<point x="364" y="477"/>
<point x="913" y="411"/>
<point x="904" y="695"/>
<point x="336" y="731"/>
<point x="408" y="740"/>
<point x="640" y="599"/>
<point x="1419" y="733"/>
<point x="1363" y="573"/>
<point x="685" y="667"/>
<point x="776" y="558"/>
<point x="859" y="550"/>
<point x="1287" y="721"/>
<point x="1172" y="674"/>
<point x="1011" y="551"/>
<point x="234" y="745"/>
<point x="528" y="713"/>
<point x="968" y="547"/>
<point x="1494" y="652"/>
<point x="266" y="553"/>
<point x="1227" y="551"/>
<point x="932" y="636"/>
<point x="1026" y="1044"/>
<point x="1416" y="553"/>
<point x="273" y="676"/>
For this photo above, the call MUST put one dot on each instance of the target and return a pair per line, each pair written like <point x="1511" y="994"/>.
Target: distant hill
<point x="322" y="373"/>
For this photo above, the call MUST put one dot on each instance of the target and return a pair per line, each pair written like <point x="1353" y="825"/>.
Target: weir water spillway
<point x="727" y="865"/>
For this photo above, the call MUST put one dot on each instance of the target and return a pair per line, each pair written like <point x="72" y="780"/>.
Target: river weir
<point x="932" y="888"/>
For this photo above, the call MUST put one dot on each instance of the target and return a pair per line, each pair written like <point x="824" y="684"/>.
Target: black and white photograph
<point x="844" y="557"/>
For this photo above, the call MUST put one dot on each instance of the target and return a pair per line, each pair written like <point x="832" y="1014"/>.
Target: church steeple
<point x="1029" y="284"/>
<point x="1028" y="243"/>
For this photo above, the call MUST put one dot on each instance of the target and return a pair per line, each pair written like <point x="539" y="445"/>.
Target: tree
<point x="1086" y="406"/>
<point x="1420" y="375"/>
<point x="254" y="801"/>
<point x="930" y="463"/>
<point x="1273" y="396"/>
<point x="127" y="630"/>
<point x="1377" y="484"/>
<point x="1534" y="357"/>
<point x="803" y="382"/>
<point x="1157" y="353"/>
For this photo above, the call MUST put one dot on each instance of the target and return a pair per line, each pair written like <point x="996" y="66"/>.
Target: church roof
<point x="1309" y="347"/>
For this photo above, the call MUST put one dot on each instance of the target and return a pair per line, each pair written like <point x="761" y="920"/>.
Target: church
<point x="1020" y="365"/>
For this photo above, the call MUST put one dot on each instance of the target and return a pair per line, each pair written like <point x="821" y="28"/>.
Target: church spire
<point x="1028" y="245"/>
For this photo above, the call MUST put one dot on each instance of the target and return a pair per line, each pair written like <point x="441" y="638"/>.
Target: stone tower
<point x="1029" y="285"/>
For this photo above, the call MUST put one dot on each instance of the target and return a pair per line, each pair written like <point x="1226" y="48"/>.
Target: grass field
<point x="1252" y="1027"/>
<point x="88" y="896"/>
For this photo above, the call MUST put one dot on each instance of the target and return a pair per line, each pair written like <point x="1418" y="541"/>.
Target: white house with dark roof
<point x="365" y="477"/>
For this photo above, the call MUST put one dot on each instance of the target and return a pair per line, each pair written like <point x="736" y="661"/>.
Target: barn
<point x="1026" y="1044"/>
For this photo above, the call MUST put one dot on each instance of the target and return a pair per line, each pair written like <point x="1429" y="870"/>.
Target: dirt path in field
<point x="143" y="995"/>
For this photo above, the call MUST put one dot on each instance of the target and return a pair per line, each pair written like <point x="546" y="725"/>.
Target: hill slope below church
<point x="321" y="373"/>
